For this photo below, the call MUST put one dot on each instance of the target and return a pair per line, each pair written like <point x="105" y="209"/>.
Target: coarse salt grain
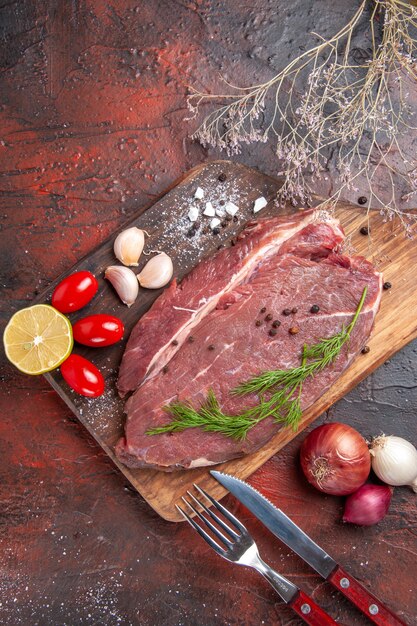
<point x="193" y="214"/>
<point x="259" y="204"/>
<point x="231" y="208"/>
<point x="199" y="193"/>
<point x="220" y="213"/>
<point x="215" y="222"/>
<point x="209" y="210"/>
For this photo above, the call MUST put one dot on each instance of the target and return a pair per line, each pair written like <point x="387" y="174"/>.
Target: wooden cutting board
<point x="168" y="226"/>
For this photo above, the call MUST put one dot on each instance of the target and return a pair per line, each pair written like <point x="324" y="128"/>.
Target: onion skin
<point x="394" y="461"/>
<point x="368" y="505"/>
<point x="335" y="459"/>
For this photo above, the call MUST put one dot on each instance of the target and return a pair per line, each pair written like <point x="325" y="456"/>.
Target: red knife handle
<point x="373" y="608"/>
<point x="309" y="611"/>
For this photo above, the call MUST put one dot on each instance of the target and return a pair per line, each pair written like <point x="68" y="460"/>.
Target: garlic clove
<point x="157" y="272"/>
<point x="128" y="246"/>
<point x="124" y="282"/>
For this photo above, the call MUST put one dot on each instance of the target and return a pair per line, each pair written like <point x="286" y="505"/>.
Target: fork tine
<point x="202" y="532"/>
<point x="220" y="522"/>
<point x="228" y="515"/>
<point x="207" y="522"/>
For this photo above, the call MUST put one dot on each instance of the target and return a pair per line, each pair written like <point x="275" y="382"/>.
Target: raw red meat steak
<point x="160" y="333"/>
<point x="277" y="264"/>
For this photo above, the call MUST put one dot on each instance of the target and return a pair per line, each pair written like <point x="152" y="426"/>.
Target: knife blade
<point x="296" y="539"/>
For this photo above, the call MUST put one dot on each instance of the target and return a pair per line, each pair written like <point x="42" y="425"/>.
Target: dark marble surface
<point x="91" y="128"/>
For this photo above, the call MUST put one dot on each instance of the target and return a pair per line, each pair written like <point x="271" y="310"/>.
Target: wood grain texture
<point x="166" y="221"/>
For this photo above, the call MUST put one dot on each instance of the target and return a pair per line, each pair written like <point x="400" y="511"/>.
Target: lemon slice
<point x="38" y="339"/>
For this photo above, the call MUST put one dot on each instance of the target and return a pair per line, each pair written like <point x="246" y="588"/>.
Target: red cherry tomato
<point x="98" y="330"/>
<point x="74" y="292"/>
<point x="82" y="376"/>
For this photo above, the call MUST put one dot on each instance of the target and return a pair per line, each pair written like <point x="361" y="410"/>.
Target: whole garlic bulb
<point x="128" y="246"/>
<point x="124" y="281"/>
<point x="394" y="461"/>
<point x="157" y="272"/>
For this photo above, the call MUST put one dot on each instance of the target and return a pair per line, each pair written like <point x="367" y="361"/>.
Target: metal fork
<point x="237" y="546"/>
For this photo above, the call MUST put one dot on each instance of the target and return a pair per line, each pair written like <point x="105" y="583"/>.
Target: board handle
<point x="370" y="606"/>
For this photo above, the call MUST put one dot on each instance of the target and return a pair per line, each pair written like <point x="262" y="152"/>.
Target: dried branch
<point x="358" y="110"/>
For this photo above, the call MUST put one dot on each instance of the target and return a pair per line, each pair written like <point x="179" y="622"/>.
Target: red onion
<point x="368" y="505"/>
<point x="335" y="459"/>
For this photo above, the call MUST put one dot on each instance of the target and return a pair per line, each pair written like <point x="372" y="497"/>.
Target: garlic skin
<point x="124" y="281"/>
<point x="157" y="272"/>
<point x="128" y="246"/>
<point x="394" y="461"/>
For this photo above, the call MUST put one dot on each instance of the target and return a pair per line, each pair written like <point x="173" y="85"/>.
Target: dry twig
<point x="359" y="110"/>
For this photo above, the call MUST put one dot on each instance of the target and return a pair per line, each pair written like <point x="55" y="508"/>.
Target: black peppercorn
<point x="294" y="310"/>
<point x="272" y="332"/>
<point x="315" y="308"/>
<point x="235" y="218"/>
<point x="276" y="323"/>
<point x="216" y="230"/>
<point x="222" y="202"/>
<point x="387" y="285"/>
<point x="191" y="232"/>
<point x="365" y="350"/>
<point x="286" y="312"/>
<point x="362" y="200"/>
<point x="224" y="224"/>
<point x="211" y="347"/>
<point x="222" y="177"/>
<point x="165" y="369"/>
<point x="364" y="230"/>
<point x="258" y="323"/>
<point x="174" y="342"/>
<point x="220" y="246"/>
<point x="268" y="318"/>
<point x="263" y="310"/>
<point x="191" y="339"/>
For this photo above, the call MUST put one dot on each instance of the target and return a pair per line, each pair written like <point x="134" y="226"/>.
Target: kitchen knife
<point x="296" y="539"/>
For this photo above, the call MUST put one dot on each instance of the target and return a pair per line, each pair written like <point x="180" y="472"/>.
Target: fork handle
<point x="309" y="611"/>
<point x="300" y="602"/>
